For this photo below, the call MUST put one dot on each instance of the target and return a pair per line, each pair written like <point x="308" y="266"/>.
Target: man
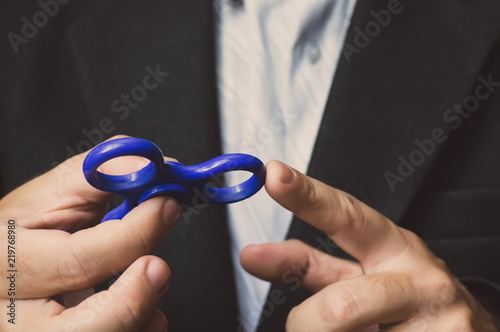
<point x="391" y="135"/>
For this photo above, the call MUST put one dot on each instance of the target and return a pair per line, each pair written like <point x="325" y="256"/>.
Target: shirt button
<point x="313" y="52"/>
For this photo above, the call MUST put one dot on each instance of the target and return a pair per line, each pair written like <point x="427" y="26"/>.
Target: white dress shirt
<point x="276" y="62"/>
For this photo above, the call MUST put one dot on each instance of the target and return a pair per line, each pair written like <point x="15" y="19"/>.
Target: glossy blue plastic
<point x="190" y="185"/>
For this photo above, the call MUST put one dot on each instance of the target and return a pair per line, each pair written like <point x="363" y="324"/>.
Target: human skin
<point x="62" y="252"/>
<point x="397" y="284"/>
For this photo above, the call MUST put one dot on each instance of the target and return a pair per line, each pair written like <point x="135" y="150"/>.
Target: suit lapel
<point x="392" y="90"/>
<point x="395" y="91"/>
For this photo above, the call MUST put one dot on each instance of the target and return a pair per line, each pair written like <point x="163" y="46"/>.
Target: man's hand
<point x="397" y="284"/>
<point x="59" y="249"/>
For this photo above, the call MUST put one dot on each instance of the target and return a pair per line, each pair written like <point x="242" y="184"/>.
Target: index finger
<point x="55" y="262"/>
<point x="64" y="199"/>
<point x="361" y="231"/>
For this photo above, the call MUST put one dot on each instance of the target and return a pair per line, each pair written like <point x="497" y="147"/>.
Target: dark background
<point x="396" y="90"/>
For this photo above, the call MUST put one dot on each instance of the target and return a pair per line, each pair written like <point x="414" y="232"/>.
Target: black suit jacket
<point x="394" y="88"/>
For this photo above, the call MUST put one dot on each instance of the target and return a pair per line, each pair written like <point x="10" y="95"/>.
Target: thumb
<point x="128" y="305"/>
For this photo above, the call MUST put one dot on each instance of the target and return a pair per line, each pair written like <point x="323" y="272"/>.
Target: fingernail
<point x="158" y="274"/>
<point x="287" y="175"/>
<point x="171" y="211"/>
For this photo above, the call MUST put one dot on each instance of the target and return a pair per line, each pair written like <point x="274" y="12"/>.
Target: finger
<point x="355" y="304"/>
<point x="56" y="262"/>
<point x="59" y="199"/>
<point x="62" y="198"/>
<point x="56" y="199"/>
<point x="126" y="164"/>
<point x="26" y="315"/>
<point x="128" y="305"/>
<point x="358" y="229"/>
<point x="295" y="262"/>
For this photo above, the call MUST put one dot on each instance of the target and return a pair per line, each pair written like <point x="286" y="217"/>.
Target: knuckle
<point x="349" y="213"/>
<point x="74" y="268"/>
<point x="351" y="207"/>
<point x="140" y="242"/>
<point x="129" y="313"/>
<point x="391" y="287"/>
<point x="308" y="263"/>
<point x="340" y="306"/>
<point x="440" y="290"/>
<point x="444" y="285"/>
<point x="312" y="199"/>
<point x="337" y="209"/>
